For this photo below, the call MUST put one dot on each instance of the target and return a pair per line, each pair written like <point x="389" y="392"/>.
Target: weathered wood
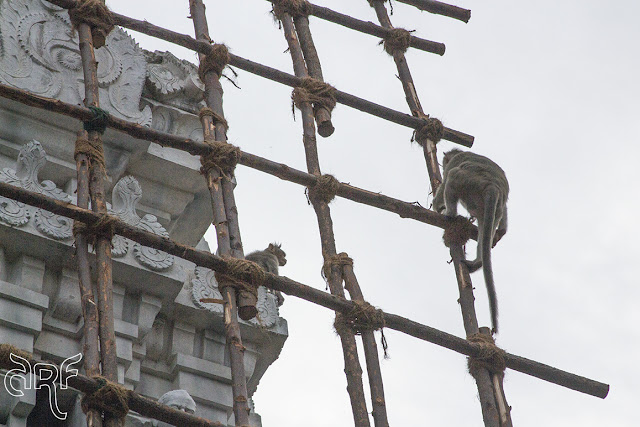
<point x="440" y="8"/>
<point x="276" y="75"/>
<point x="376" y="386"/>
<point x="90" y="338"/>
<point x="102" y="248"/>
<point x="233" y="302"/>
<point x="352" y="367"/>
<point x="280" y="170"/>
<point x="308" y="293"/>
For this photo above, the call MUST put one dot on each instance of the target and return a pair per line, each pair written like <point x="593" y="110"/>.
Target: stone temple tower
<point x="167" y="340"/>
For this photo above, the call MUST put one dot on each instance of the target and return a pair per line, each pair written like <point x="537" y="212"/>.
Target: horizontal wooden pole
<point x="291" y="287"/>
<point x="277" y="75"/>
<point x="280" y="170"/>
<point x="440" y="8"/>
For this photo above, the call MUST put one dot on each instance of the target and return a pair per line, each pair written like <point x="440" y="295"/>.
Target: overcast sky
<point x="550" y="91"/>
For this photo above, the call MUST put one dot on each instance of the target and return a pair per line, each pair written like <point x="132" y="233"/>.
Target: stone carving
<point x="30" y="160"/>
<point x="204" y="285"/>
<point x="125" y="197"/>
<point x="177" y="399"/>
<point x="173" y="81"/>
<point x="39" y="53"/>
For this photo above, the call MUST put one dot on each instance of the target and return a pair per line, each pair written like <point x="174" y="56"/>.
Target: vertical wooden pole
<point x="352" y="369"/>
<point x="370" y="354"/>
<point x="90" y="345"/>
<point x="98" y="204"/>
<point x="227" y="228"/>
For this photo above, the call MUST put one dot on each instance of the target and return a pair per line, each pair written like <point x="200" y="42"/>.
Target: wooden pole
<point x="221" y="191"/>
<point x="98" y="205"/>
<point x="378" y="401"/>
<point x="276" y="75"/>
<point x="90" y="344"/>
<point x="308" y="293"/>
<point x="352" y="368"/>
<point x="440" y="8"/>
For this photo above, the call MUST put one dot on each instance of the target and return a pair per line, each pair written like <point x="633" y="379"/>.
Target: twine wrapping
<point x="5" y="356"/>
<point x="90" y="147"/>
<point x="295" y="8"/>
<point x="324" y="190"/>
<point x="321" y="94"/>
<point x="243" y="275"/>
<point x="457" y="232"/>
<point x="222" y="156"/>
<point x="215" y="61"/>
<point x="361" y="318"/>
<point x="103" y="227"/>
<point x="110" y="398"/>
<point x="432" y="130"/>
<point x="98" y="122"/>
<point x="215" y="117"/>
<point x="490" y="357"/>
<point x="95" y="14"/>
<point x="396" y="40"/>
<point x="339" y="260"/>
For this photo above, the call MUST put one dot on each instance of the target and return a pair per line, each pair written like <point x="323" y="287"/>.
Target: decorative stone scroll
<point x="125" y="197"/>
<point x="30" y="160"/>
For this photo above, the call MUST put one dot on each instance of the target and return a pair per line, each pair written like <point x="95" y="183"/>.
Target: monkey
<point x="482" y="188"/>
<point x="269" y="259"/>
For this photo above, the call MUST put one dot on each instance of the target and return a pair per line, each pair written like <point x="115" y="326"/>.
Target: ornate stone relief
<point x="204" y="285"/>
<point x="39" y="53"/>
<point x="30" y="160"/>
<point x="125" y="197"/>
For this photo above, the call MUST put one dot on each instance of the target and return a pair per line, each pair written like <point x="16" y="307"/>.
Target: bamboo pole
<point x="352" y="369"/>
<point x="370" y="28"/>
<point x="322" y="115"/>
<point x="276" y="75"/>
<point x="280" y="170"/>
<point x="378" y="401"/>
<point x="307" y="293"/>
<point x="90" y="345"/>
<point x="103" y="244"/>
<point x="440" y="8"/>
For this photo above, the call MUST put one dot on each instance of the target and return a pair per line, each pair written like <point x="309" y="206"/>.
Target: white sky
<point x="550" y="92"/>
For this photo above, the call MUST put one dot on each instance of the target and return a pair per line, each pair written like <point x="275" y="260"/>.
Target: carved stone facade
<point x="166" y="339"/>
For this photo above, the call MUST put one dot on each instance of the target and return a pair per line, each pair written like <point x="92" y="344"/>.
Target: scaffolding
<point x="238" y="279"/>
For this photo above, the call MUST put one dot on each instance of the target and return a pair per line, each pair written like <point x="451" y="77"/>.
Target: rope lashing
<point x="95" y="14"/>
<point x="109" y="398"/>
<point x="432" y="130"/>
<point x="325" y="189"/>
<point x="361" y="318"/>
<point x="316" y="91"/>
<point x="295" y="8"/>
<point x="98" y="122"/>
<point x="217" y="119"/>
<point x="490" y="357"/>
<point x="244" y="275"/>
<point x="338" y="260"/>
<point x="457" y="232"/>
<point x="216" y="60"/>
<point x="90" y="147"/>
<point x="222" y="156"/>
<point x="397" y="40"/>
<point x="103" y="227"/>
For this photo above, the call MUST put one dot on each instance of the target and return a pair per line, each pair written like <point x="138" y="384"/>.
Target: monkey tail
<point x="490" y="206"/>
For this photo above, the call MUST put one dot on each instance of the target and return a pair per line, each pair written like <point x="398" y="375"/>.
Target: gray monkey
<point x="482" y="188"/>
<point x="269" y="259"/>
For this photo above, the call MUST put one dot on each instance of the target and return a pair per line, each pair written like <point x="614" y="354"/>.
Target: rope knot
<point x="103" y="227"/>
<point x="396" y="40"/>
<point x="222" y="156"/>
<point x="324" y="190"/>
<point x="90" y="147"/>
<point x="489" y="356"/>
<point x="361" y="318"/>
<point x="432" y="130"/>
<point x="98" y="122"/>
<point x="338" y="260"/>
<point x="295" y="8"/>
<point x="242" y="274"/>
<point x="95" y="14"/>
<point x="457" y="232"/>
<point x="110" y="398"/>
<point x="216" y="118"/>
<point x="321" y="94"/>
<point x="216" y="60"/>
